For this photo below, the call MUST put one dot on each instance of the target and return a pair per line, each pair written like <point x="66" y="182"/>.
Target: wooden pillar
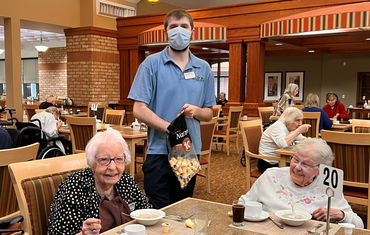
<point x="237" y="69"/>
<point x="255" y="77"/>
<point x="13" y="64"/>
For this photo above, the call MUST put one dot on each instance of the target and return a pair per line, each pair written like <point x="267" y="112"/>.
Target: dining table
<point x="342" y="126"/>
<point x="359" y="111"/>
<point x="221" y="223"/>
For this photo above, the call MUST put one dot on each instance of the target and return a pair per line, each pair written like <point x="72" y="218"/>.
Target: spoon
<point x="293" y="212"/>
<point x="313" y="230"/>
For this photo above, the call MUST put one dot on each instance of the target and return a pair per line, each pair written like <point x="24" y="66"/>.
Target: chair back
<point x="82" y="129"/>
<point x="265" y="113"/>
<point x="114" y="116"/>
<point x="36" y="184"/>
<point x="30" y="110"/>
<point x="100" y="112"/>
<point x="234" y="117"/>
<point x="39" y="111"/>
<point x="360" y="126"/>
<point x="312" y="118"/>
<point x="8" y="200"/>
<point x="216" y="110"/>
<point x="2" y="103"/>
<point x="207" y="130"/>
<point x="298" y="106"/>
<point x="252" y="133"/>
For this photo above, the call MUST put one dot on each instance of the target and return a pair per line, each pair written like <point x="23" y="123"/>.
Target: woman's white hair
<point x="290" y="89"/>
<point x="289" y="115"/>
<point x="102" y="138"/>
<point x="318" y="148"/>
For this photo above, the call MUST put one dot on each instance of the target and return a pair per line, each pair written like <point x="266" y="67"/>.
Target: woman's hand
<point x="335" y="214"/>
<point x="303" y="128"/>
<point x="91" y="226"/>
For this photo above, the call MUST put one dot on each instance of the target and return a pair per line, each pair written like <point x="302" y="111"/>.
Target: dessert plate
<point x="264" y="215"/>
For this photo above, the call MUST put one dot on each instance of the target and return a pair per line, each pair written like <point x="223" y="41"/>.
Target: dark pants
<point x="160" y="183"/>
<point x="263" y="165"/>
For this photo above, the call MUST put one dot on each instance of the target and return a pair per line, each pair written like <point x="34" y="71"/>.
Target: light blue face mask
<point x="179" y="38"/>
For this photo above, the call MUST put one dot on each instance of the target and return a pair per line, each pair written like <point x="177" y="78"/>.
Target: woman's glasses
<point x="105" y="161"/>
<point x="304" y="165"/>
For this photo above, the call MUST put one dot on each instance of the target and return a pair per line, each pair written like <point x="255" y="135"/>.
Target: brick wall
<point x="93" y="68"/>
<point x="53" y="72"/>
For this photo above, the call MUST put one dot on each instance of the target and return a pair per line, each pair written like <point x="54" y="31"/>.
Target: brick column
<point x="53" y="72"/>
<point x="93" y="68"/>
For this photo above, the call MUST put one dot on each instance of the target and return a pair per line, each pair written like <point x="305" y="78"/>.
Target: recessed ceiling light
<point x="311" y="51"/>
<point x="278" y="44"/>
<point x="205" y="48"/>
<point x="368" y="39"/>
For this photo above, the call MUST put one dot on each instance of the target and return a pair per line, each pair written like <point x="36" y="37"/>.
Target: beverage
<point x="238" y="214"/>
<point x="334" y="120"/>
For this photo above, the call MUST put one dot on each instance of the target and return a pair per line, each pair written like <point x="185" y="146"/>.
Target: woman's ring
<point x="94" y="231"/>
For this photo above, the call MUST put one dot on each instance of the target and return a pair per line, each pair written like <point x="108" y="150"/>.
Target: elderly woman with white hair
<point x="92" y="200"/>
<point x="277" y="188"/>
<point x="285" y="101"/>
<point x="281" y="134"/>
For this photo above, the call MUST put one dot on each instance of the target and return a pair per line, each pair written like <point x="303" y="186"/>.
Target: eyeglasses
<point x="304" y="165"/>
<point x="105" y="161"/>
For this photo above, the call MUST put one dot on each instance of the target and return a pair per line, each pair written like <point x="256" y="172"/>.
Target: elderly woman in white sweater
<point x="277" y="188"/>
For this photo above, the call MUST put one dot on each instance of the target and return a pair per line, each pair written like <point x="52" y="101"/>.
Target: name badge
<point x="189" y="75"/>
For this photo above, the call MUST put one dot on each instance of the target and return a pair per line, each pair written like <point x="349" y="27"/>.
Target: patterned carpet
<point x="228" y="179"/>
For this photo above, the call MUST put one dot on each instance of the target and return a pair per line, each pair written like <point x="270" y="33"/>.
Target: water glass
<point x="201" y="223"/>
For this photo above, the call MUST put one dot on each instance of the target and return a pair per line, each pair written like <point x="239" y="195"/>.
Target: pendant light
<point x="153" y="1"/>
<point x="41" y="47"/>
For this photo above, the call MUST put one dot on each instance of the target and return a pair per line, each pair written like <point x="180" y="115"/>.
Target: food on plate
<point x="189" y="223"/>
<point x="292" y="216"/>
<point x="148" y="216"/>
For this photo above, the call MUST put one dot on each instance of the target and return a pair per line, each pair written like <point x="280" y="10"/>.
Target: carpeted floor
<point x="228" y="179"/>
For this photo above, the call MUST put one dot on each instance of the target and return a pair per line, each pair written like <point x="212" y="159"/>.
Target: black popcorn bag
<point x="181" y="153"/>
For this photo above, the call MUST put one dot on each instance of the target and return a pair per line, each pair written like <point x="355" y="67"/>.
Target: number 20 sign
<point x="331" y="181"/>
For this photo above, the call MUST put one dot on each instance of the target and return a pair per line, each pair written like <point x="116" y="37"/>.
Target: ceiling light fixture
<point x="311" y="51"/>
<point x="205" y="48"/>
<point x="41" y="47"/>
<point x="153" y="1"/>
<point x="368" y="39"/>
<point x="278" y="44"/>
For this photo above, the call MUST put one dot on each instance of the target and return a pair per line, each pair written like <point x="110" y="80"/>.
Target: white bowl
<point x="147" y="221"/>
<point x="293" y="222"/>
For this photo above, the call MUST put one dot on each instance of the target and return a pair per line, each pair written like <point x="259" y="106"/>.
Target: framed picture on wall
<point x="297" y="78"/>
<point x="272" y="85"/>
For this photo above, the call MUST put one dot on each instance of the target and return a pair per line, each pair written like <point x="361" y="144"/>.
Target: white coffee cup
<point x="253" y="209"/>
<point x="134" y="229"/>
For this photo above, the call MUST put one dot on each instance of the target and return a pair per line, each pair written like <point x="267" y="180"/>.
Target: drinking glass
<point x="238" y="213"/>
<point x="201" y="223"/>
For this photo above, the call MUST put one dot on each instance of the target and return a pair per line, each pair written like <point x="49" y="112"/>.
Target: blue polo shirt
<point x="161" y="84"/>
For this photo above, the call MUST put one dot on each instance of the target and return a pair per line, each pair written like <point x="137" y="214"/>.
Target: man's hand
<point x="335" y="214"/>
<point x="189" y="110"/>
<point x="59" y="124"/>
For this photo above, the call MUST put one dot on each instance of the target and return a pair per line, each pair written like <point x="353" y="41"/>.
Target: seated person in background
<point x="50" y="124"/>
<point x="334" y="108"/>
<point x="50" y="101"/>
<point x="92" y="200"/>
<point x="281" y="134"/>
<point x="222" y="101"/>
<point x="285" y="101"/>
<point x="312" y="105"/>
<point x="5" y="139"/>
<point x="277" y="188"/>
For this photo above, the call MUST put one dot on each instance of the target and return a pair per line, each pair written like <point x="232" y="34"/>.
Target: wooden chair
<point x="39" y="111"/>
<point x="252" y="132"/>
<point x="298" y="106"/>
<point x="312" y="118"/>
<point x="114" y="116"/>
<point x="30" y="110"/>
<point x="360" y="126"/>
<point x="82" y="129"/>
<point x="264" y="114"/>
<point x="207" y="130"/>
<point x="216" y="110"/>
<point x="232" y="128"/>
<point x="100" y="113"/>
<point x="351" y="152"/>
<point x="9" y="206"/>
<point x="36" y="184"/>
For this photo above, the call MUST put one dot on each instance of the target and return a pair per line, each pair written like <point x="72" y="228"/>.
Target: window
<point x="221" y="74"/>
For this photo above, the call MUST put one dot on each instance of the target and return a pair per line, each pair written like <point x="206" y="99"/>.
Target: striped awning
<point x="203" y="32"/>
<point x="349" y="17"/>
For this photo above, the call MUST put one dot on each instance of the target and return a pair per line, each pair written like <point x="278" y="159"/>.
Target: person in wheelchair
<point x="5" y="139"/>
<point x="50" y="124"/>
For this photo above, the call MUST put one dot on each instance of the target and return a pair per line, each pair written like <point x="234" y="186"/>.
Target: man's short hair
<point x="178" y="14"/>
<point x="48" y="97"/>
<point x="53" y="109"/>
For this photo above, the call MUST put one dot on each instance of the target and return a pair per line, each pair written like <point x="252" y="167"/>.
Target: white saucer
<point x="264" y="215"/>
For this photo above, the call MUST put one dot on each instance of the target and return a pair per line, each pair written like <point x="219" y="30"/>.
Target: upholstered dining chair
<point x="360" y="126"/>
<point x="252" y="132"/>
<point x="264" y="114"/>
<point x="351" y="151"/>
<point x="30" y="110"/>
<point x="207" y="130"/>
<point x="9" y="206"/>
<point x="216" y="110"/>
<point x="36" y="184"/>
<point x="114" y="116"/>
<point x="39" y="111"/>
<point x="312" y="118"/>
<point x="82" y="129"/>
<point x="230" y="128"/>
<point x="100" y="112"/>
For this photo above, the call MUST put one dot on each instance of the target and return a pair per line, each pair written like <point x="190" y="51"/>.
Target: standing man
<point x="166" y="83"/>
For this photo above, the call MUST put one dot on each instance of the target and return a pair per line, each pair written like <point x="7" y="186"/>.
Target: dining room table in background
<point x="360" y="112"/>
<point x="221" y="223"/>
